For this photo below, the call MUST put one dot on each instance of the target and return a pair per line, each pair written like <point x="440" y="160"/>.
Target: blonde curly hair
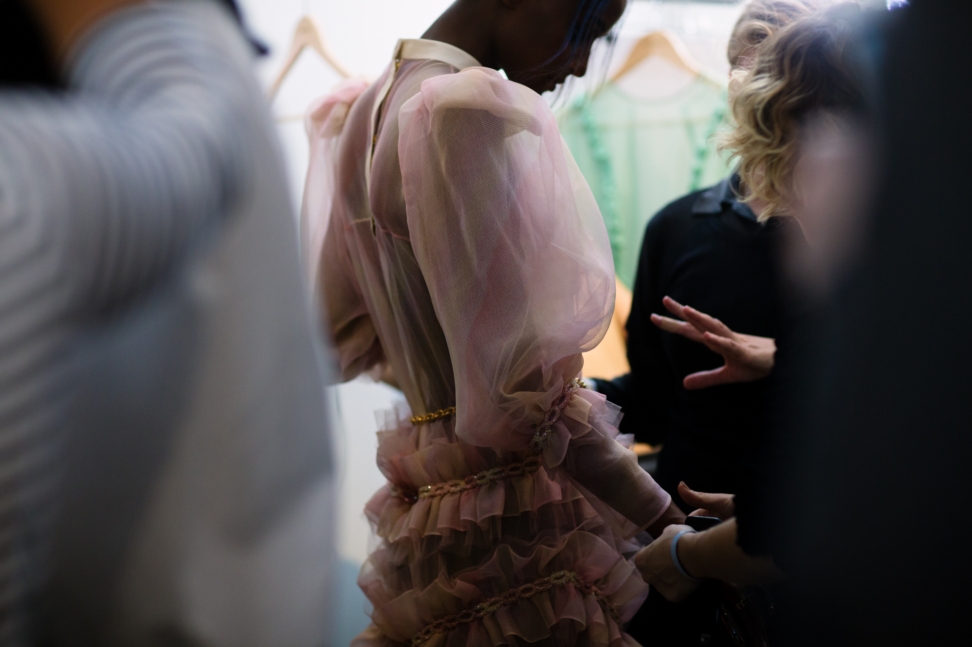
<point x="804" y="69"/>
<point x="761" y="19"/>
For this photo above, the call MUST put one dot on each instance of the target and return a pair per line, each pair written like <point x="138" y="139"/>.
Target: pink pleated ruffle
<point x="443" y="555"/>
<point x="557" y="613"/>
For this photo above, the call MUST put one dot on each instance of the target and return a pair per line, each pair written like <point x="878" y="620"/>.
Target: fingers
<point x="673" y="306"/>
<point x="707" y="379"/>
<point x="715" y="505"/>
<point x="693" y="498"/>
<point x="705" y="323"/>
<point x="668" y="324"/>
<point x="677" y="327"/>
<point x="743" y="362"/>
<point x="724" y="346"/>
<point x="700" y="499"/>
<point x="697" y="326"/>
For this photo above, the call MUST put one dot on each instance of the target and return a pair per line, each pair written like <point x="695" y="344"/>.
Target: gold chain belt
<point x="530" y="465"/>
<point x="554" y="412"/>
<point x="458" y="486"/>
<point x="511" y="597"/>
<point x="432" y="417"/>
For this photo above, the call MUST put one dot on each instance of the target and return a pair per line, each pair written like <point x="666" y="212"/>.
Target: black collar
<point x="722" y="196"/>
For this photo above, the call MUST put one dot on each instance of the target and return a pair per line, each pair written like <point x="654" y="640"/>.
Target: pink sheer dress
<point x="452" y="238"/>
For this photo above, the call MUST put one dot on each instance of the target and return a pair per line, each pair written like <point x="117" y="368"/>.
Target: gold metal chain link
<point x="432" y="417"/>
<point x="458" y="486"/>
<point x="511" y="597"/>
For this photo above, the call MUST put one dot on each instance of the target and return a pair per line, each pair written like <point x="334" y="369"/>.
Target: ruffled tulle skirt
<point x="481" y="548"/>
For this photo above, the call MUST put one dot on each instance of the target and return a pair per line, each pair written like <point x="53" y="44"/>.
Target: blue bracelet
<point x="675" y="561"/>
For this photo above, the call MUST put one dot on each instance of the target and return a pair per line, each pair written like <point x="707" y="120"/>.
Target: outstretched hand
<point x="748" y="358"/>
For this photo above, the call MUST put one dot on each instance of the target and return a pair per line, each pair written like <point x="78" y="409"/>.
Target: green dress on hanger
<point x="639" y="154"/>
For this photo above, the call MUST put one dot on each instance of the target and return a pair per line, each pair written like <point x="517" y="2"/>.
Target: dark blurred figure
<point x="25" y="57"/>
<point x="165" y="466"/>
<point x="878" y="544"/>
<point x="865" y="505"/>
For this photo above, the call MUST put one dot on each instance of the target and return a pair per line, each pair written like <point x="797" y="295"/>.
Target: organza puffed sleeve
<point x="518" y="264"/>
<point x="324" y="222"/>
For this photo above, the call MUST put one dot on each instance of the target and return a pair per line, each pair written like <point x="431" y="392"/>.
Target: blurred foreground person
<point x="867" y="511"/>
<point x="161" y="412"/>
<point x="881" y="533"/>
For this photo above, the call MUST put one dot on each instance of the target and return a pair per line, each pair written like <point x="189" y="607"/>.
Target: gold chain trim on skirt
<point x="458" y="486"/>
<point x="511" y="597"/>
<point x="432" y="417"/>
<point x="553" y="415"/>
<point x="497" y="473"/>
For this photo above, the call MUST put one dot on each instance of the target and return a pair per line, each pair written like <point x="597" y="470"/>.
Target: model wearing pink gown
<point x="452" y="237"/>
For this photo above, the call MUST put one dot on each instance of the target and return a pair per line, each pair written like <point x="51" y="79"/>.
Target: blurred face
<point x="832" y="186"/>
<point x="534" y="41"/>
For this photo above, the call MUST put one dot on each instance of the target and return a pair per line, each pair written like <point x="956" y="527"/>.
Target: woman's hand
<point x="714" y="554"/>
<point x="748" y="358"/>
<point x="657" y="568"/>
<point x="722" y="506"/>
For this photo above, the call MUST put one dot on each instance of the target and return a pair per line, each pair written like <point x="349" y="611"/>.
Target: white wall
<point x="362" y="34"/>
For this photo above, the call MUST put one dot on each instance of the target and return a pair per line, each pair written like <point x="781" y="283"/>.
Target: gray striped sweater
<point x="161" y="148"/>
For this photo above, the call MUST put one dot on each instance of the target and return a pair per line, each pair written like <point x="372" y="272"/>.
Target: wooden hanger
<point x="664" y="44"/>
<point x="307" y="35"/>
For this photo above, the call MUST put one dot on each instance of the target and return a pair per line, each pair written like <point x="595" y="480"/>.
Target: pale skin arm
<point x="66" y="21"/>
<point x="748" y="358"/>
<point x="713" y="554"/>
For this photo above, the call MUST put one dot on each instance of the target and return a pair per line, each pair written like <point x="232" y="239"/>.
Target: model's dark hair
<point x="585" y="28"/>
<point x="587" y="23"/>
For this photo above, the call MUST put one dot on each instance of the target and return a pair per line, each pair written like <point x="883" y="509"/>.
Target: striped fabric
<point x="102" y="191"/>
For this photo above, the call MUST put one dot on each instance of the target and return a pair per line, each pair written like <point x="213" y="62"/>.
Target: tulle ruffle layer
<point x="407" y="565"/>
<point x="518" y="594"/>
<point x="492" y="532"/>
<point x="411" y="456"/>
<point x="416" y="457"/>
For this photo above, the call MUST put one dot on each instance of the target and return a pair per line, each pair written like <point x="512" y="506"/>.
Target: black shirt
<point x="706" y="250"/>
